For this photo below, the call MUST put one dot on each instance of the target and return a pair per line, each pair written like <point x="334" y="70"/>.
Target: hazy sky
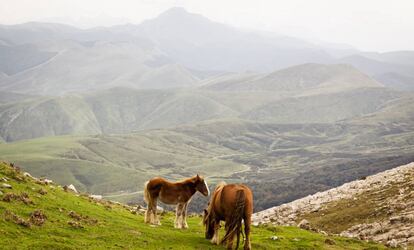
<point x="380" y="25"/>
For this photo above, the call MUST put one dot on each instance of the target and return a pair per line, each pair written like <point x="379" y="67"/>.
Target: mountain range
<point x="175" y="49"/>
<point x="107" y="108"/>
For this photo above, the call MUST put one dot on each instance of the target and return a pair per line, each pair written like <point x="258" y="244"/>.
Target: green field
<point x="106" y="225"/>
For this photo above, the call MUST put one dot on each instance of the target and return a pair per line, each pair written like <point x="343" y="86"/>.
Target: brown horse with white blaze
<point x="232" y="203"/>
<point x="172" y="193"/>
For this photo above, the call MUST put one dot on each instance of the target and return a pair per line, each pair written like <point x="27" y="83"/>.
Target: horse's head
<point x="209" y="224"/>
<point x="201" y="185"/>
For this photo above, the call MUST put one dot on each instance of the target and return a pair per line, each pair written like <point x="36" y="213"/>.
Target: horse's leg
<point x="215" y="239"/>
<point x="230" y="236"/>
<point x="247" y="222"/>
<point x="156" y="220"/>
<point x="148" y="213"/>
<point x="184" y="216"/>
<point x="230" y="241"/>
<point x="178" y="212"/>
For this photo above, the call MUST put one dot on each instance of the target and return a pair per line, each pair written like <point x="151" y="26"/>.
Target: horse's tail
<point x="147" y="196"/>
<point x="235" y="223"/>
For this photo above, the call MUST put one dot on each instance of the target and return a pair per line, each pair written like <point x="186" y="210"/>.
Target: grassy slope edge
<point x="106" y="225"/>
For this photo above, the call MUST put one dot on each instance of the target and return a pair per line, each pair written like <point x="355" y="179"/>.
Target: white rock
<point x="47" y="181"/>
<point x="304" y="224"/>
<point x="26" y="174"/>
<point x="274" y="237"/>
<point x="392" y="243"/>
<point x="72" y="188"/>
<point x="5" y="185"/>
<point x="96" y="196"/>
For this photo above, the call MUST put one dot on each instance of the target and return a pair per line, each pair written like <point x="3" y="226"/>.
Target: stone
<point x="47" y="181"/>
<point x="70" y="188"/>
<point x="5" y="185"/>
<point x="26" y="174"/>
<point x="304" y="224"/>
<point x="330" y="241"/>
<point x="392" y="243"/>
<point x="274" y="237"/>
<point x="96" y="197"/>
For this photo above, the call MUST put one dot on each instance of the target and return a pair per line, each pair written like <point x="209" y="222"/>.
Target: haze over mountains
<point x="180" y="94"/>
<point x="176" y="49"/>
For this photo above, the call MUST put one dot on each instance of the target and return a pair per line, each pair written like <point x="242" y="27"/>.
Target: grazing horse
<point x="172" y="193"/>
<point x="231" y="203"/>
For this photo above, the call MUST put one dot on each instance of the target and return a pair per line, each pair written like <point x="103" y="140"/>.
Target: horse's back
<point x="154" y="185"/>
<point x="228" y="199"/>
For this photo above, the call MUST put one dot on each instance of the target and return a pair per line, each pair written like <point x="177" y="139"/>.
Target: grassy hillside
<point x="46" y="217"/>
<point x="79" y="66"/>
<point x="21" y="57"/>
<point x="107" y="164"/>
<point x="298" y="78"/>
<point x="323" y="107"/>
<point x="377" y="207"/>
<point x="295" y="159"/>
<point x="123" y="110"/>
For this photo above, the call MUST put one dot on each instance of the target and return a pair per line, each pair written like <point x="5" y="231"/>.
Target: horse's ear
<point x="198" y="177"/>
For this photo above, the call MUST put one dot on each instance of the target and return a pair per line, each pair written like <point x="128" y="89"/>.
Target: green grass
<point x="107" y="164"/>
<point x="113" y="226"/>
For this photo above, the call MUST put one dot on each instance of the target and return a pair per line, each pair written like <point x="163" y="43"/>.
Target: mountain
<point x="21" y="57"/>
<point x="34" y="32"/>
<point x="199" y="43"/>
<point x="299" y="78"/>
<point x="396" y="57"/>
<point x="296" y="159"/>
<point x="325" y="108"/>
<point x="99" y="65"/>
<point x="301" y="94"/>
<point x="46" y="216"/>
<point x="46" y="117"/>
<point x="391" y="73"/>
<point x="118" y="110"/>
<point x="10" y="97"/>
<point x="377" y="208"/>
<point x="173" y="50"/>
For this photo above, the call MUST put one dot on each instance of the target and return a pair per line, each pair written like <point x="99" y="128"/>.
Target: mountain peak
<point x="175" y="11"/>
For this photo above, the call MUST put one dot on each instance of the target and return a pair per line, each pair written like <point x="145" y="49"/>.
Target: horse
<point x="231" y="203"/>
<point x="172" y="193"/>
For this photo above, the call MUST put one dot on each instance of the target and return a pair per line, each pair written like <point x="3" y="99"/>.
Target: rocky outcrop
<point x="394" y="205"/>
